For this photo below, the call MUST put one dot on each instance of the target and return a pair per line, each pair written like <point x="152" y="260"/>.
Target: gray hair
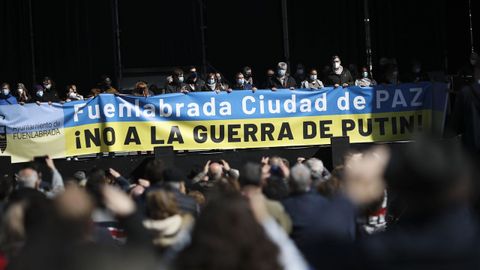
<point x="316" y="168"/>
<point x="300" y="178"/>
<point x="28" y="178"/>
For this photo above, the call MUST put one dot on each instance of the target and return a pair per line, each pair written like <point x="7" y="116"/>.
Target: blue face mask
<point x="39" y="93"/>
<point x="5" y="92"/>
<point x="211" y="81"/>
<point x="281" y="72"/>
<point x="241" y="81"/>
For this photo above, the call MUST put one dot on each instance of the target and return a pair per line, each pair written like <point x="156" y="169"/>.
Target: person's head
<point x="211" y="79"/>
<point x="141" y="87"/>
<point x="178" y="76"/>
<point x="21" y="89"/>
<point x="282" y="69"/>
<point x="161" y="204"/>
<point x="247" y="72"/>
<point x="5" y="89"/>
<point x="473" y="58"/>
<point x="437" y="168"/>
<point x="215" y="171"/>
<point x="192" y="69"/>
<point x="251" y="175"/>
<point x="28" y="178"/>
<point x="313" y="75"/>
<point x="154" y="171"/>
<point x="332" y="187"/>
<point x="71" y="88"/>
<point x="270" y="73"/>
<point x="218" y="77"/>
<point x="174" y="179"/>
<point x="239" y="78"/>
<point x="364" y="72"/>
<point x="316" y="169"/>
<point x="300" y="179"/>
<point x="106" y="81"/>
<point x="391" y="74"/>
<point x="47" y="83"/>
<point x="336" y="62"/>
<point x="38" y="90"/>
<point x="220" y="229"/>
<point x="169" y="79"/>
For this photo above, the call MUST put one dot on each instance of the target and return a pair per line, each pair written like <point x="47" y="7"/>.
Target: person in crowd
<point x="318" y="171"/>
<point x="213" y="173"/>
<point x="276" y="173"/>
<point x="434" y="231"/>
<point x="194" y="82"/>
<point x="222" y="224"/>
<point x="106" y="85"/>
<point x="269" y="78"/>
<point x="169" y="227"/>
<point x="22" y="94"/>
<point x="72" y="93"/>
<point x="31" y="177"/>
<point x="171" y="180"/>
<point x="220" y="80"/>
<point x="251" y="185"/>
<point x="94" y="92"/>
<point x="241" y="84"/>
<point x="392" y="75"/>
<point x="178" y="85"/>
<point x="50" y="93"/>
<point x="6" y="97"/>
<point x="339" y="76"/>
<point x="312" y="83"/>
<point x="282" y="80"/>
<point x="416" y="73"/>
<point x="300" y="74"/>
<point x="247" y="72"/>
<point x="155" y="90"/>
<point x="141" y="90"/>
<point x="168" y="84"/>
<point x="213" y="85"/>
<point x="366" y="79"/>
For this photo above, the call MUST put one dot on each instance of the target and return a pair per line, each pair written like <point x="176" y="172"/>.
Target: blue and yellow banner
<point x="207" y="120"/>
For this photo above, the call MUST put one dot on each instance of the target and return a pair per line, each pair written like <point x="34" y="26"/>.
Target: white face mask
<point x="20" y="91"/>
<point x="72" y="95"/>
<point x="241" y="81"/>
<point x="313" y="77"/>
<point x="365" y="74"/>
<point x="48" y="86"/>
<point x="40" y="93"/>
<point x="281" y="72"/>
<point x="181" y="78"/>
<point x="5" y="92"/>
<point x="336" y="65"/>
<point x="211" y="81"/>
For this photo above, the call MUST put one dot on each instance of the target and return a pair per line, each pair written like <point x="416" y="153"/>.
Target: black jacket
<point x="275" y="82"/>
<point x="344" y="77"/>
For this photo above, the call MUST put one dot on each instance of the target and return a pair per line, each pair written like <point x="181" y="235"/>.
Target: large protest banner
<point x="206" y="120"/>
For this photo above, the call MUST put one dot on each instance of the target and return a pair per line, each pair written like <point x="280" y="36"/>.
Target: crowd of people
<point x="180" y="81"/>
<point x="382" y="209"/>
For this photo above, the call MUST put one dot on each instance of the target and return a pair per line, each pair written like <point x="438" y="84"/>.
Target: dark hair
<point x="154" y="171"/>
<point x="177" y="72"/>
<point x="332" y="186"/>
<point x="251" y="174"/>
<point x="219" y="240"/>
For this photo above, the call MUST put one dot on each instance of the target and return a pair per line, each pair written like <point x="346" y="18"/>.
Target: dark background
<point x="73" y="40"/>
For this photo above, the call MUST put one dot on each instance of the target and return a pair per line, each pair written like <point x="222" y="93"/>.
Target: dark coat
<point x="275" y="82"/>
<point x="344" y="77"/>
